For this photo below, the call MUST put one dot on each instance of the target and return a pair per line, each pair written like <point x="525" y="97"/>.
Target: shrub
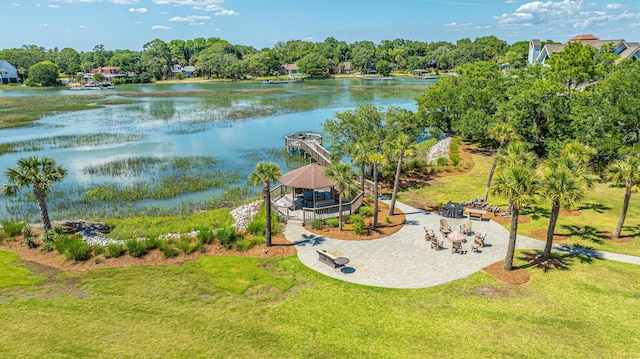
<point x="226" y="236"/>
<point x="332" y="222"/>
<point x="115" y="249"/>
<point x="387" y="220"/>
<point x="167" y="249"/>
<point x="442" y="161"/>
<point x="316" y="224"/>
<point x="98" y="250"/>
<point x="151" y="243"/>
<point x="12" y="229"/>
<point x="99" y="259"/>
<point x="275" y="224"/>
<point x="245" y="244"/>
<point x="366" y="211"/>
<point x="48" y="237"/>
<point x="76" y="249"/>
<point x="184" y="244"/>
<point x="60" y="243"/>
<point x="205" y="235"/>
<point x="135" y="247"/>
<point x="28" y="237"/>
<point x="257" y="227"/>
<point x="357" y="223"/>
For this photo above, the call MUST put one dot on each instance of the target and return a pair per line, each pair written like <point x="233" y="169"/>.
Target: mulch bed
<point x="551" y="263"/>
<point x="542" y="234"/>
<point x="280" y="248"/>
<point x="516" y="276"/>
<point x="384" y="229"/>
<point x="501" y="219"/>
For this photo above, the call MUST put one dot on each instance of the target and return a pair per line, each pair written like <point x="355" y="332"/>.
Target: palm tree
<point x="343" y="179"/>
<point x="502" y="133"/>
<point x="376" y="159"/>
<point x="625" y="172"/>
<point x="519" y="184"/>
<point x="39" y="174"/>
<point x="361" y="153"/>
<point x="564" y="181"/>
<point x="265" y="174"/>
<point x="399" y="147"/>
<point x="579" y="152"/>
<point x="515" y="154"/>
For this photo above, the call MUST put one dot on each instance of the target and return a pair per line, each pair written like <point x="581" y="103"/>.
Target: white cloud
<point x="196" y="23"/>
<point x="190" y="18"/>
<point x="188" y="2"/>
<point x="44" y="25"/>
<point x="83" y="27"/>
<point x="159" y="27"/>
<point x="141" y="10"/>
<point x="118" y="2"/>
<point x="226" y="12"/>
<point x="54" y="6"/>
<point x="566" y="14"/>
<point x="137" y="22"/>
<point x="458" y="24"/>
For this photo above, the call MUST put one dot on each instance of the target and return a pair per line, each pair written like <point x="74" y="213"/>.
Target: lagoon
<point x="231" y="125"/>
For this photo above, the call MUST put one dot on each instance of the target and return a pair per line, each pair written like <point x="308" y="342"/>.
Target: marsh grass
<point x="22" y="111"/>
<point x="69" y="141"/>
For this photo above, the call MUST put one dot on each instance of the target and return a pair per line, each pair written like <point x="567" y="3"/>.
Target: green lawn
<point x="223" y="307"/>
<point x="599" y="211"/>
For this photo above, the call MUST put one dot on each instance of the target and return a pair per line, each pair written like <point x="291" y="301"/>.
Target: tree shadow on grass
<point x="596" y="207"/>
<point x="535" y="212"/>
<point x="588" y="233"/>
<point x="562" y="258"/>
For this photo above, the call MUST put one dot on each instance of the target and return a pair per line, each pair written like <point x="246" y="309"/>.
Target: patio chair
<point x="480" y="238"/>
<point x="436" y="244"/>
<point x="456" y="246"/>
<point x="428" y="233"/>
<point x="444" y="226"/>
<point x="466" y="228"/>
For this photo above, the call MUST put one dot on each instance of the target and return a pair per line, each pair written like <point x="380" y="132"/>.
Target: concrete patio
<point x="405" y="260"/>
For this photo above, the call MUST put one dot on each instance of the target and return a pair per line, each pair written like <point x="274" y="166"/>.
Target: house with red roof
<point x="538" y="54"/>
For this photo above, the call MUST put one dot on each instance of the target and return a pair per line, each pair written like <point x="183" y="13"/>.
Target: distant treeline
<point x="219" y="58"/>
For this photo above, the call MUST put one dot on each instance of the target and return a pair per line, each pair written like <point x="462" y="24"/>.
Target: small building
<point x="186" y="71"/>
<point x="109" y="73"/>
<point x="8" y="73"/>
<point x="288" y="69"/>
<point x="538" y="54"/>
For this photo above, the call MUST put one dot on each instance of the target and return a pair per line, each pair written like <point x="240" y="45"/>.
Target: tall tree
<point x="519" y="184"/>
<point x="625" y="172"/>
<point x="343" y="179"/>
<point x="39" y="174"/>
<point x="376" y="160"/>
<point x="502" y="133"/>
<point x="564" y="181"/>
<point x="399" y="147"/>
<point x="265" y="173"/>
<point x="43" y="73"/>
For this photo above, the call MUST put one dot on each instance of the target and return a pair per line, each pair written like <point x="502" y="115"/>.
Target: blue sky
<point x="129" y="24"/>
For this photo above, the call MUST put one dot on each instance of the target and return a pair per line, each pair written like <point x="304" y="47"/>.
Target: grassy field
<point x="598" y="212"/>
<point x="221" y="307"/>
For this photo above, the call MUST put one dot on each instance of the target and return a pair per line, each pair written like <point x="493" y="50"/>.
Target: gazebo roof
<point x="310" y="176"/>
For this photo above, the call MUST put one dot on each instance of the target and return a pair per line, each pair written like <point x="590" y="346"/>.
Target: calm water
<point x="190" y="126"/>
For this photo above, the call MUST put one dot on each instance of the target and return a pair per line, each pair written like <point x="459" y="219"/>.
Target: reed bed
<point x="22" y="111"/>
<point x="68" y="141"/>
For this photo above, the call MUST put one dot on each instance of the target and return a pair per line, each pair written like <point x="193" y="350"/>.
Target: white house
<point x="8" y="73"/>
<point x="187" y="71"/>
<point x="622" y="48"/>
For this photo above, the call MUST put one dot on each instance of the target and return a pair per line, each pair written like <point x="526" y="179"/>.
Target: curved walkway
<point x="404" y="259"/>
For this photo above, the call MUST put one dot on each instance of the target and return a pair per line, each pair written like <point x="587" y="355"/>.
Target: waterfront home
<point x="8" y="73"/>
<point x="538" y="54"/>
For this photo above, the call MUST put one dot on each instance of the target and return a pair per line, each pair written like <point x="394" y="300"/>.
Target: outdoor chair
<point x="436" y="244"/>
<point x="444" y="226"/>
<point x="429" y="233"/>
<point x="466" y="228"/>
<point x="480" y="238"/>
<point x="456" y="246"/>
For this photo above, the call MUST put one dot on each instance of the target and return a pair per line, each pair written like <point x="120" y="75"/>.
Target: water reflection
<point x="183" y="126"/>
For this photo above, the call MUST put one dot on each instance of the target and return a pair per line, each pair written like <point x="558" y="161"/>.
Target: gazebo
<point x="305" y="183"/>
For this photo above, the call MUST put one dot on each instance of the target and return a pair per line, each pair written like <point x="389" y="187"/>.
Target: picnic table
<point x="475" y="213"/>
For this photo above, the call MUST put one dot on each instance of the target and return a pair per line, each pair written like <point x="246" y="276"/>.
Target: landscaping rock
<point x="244" y="214"/>
<point x="440" y="149"/>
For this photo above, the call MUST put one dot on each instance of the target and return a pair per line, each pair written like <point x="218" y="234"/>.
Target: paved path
<point x="405" y="260"/>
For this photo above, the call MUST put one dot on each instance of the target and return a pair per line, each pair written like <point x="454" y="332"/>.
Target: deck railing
<point x="310" y="214"/>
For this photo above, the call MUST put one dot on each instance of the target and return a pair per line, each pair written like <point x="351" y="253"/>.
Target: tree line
<point x="555" y="127"/>
<point x="219" y="58"/>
